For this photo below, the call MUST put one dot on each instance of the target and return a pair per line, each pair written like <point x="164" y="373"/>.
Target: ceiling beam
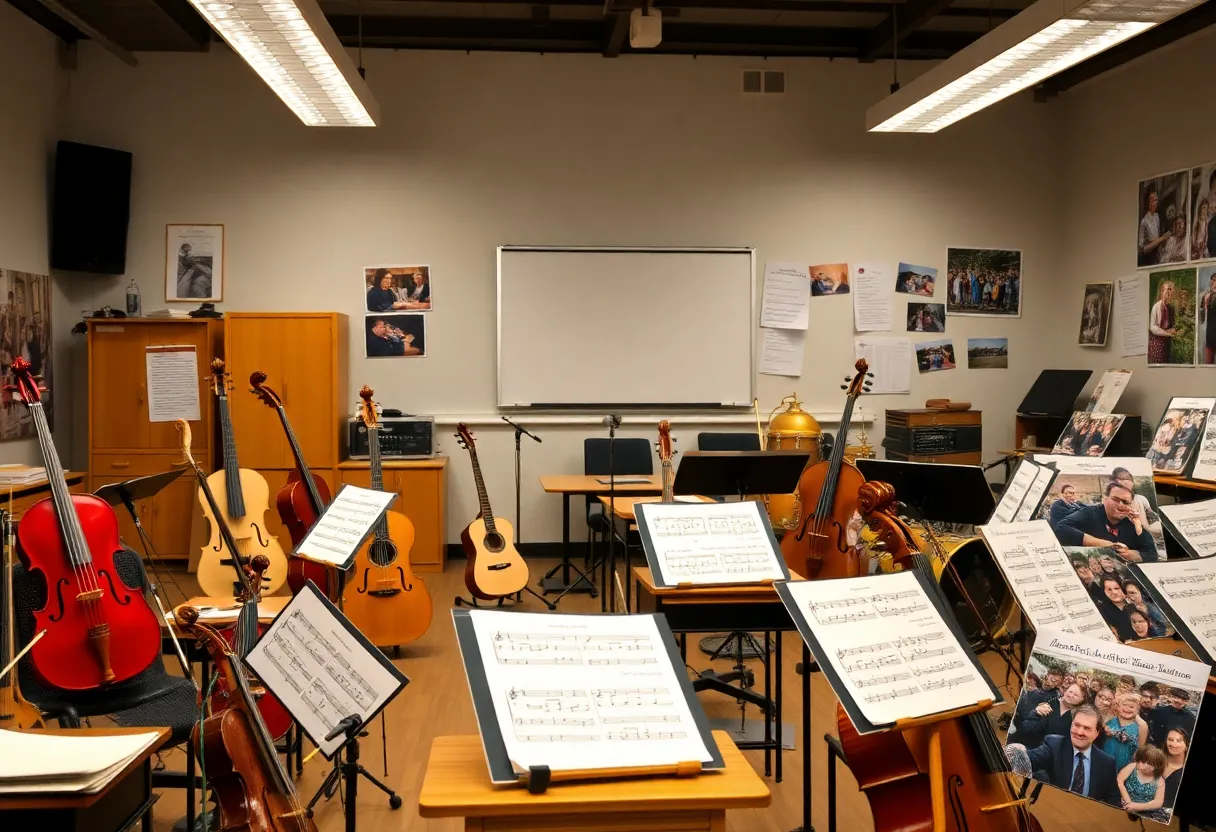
<point x="86" y="28"/>
<point x="898" y="25"/>
<point x="616" y="30"/>
<point x="188" y="20"/>
<point x="1188" y="23"/>
<point x="48" y="20"/>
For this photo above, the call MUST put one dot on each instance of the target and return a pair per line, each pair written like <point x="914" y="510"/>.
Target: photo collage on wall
<point x="25" y="331"/>
<point x="396" y="300"/>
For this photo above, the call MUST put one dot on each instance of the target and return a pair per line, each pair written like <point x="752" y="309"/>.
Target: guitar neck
<point x="305" y="475"/>
<point x="232" y="468"/>
<point x="483" y="499"/>
<point x="373" y="454"/>
<point x="668" y="482"/>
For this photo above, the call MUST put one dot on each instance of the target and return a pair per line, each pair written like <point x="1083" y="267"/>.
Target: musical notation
<point x="1187" y="587"/>
<point x="345" y="523"/>
<point x="709" y="543"/>
<point x="1196" y="522"/>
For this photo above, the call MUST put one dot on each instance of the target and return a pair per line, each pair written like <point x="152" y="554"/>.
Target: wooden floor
<point x="436" y="703"/>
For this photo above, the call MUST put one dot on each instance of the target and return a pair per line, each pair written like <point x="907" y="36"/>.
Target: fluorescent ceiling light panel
<point x="295" y="50"/>
<point x="1044" y="40"/>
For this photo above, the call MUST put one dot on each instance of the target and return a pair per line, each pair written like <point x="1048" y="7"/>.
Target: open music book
<point x="34" y="761"/>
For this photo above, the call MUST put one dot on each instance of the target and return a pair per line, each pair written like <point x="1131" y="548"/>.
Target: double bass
<point x="15" y="712"/>
<point x="69" y="542"/>
<point x="252" y="788"/>
<point x="827" y="491"/>
<point x="300" y="502"/>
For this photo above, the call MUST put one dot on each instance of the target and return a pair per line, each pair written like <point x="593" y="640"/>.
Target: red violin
<point x="70" y="541"/>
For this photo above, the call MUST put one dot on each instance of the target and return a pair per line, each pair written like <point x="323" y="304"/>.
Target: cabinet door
<point x="420" y="490"/>
<point x="308" y="388"/>
<point x="361" y="477"/>
<point x="118" y="395"/>
<point x="256" y="344"/>
<point x="174" y="512"/>
<point x="126" y="526"/>
<point x="163" y="436"/>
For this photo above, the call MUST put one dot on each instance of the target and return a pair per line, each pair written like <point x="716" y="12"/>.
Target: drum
<point x="981" y="579"/>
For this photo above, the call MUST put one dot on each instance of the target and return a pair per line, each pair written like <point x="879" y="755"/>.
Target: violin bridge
<point x="91" y="595"/>
<point x="99" y="636"/>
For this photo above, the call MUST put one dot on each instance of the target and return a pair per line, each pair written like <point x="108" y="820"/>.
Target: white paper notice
<point x="890" y="361"/>
<point x="709" y="543"/>
<point x="872" y="285"/>
<point x="1189" y="587"/>
<point x="172" y="383"/>
<point x="787" y="296"/>
<point x="1196" y="524"/>
<point x="1042" y="578"/>
<point x="1106" y="394"/>
<point x="890" y="647"/>
<point x="781" y="351"/>
<point x="336" y="535"/>
<point x="1133" y="314"/>
<point x="577" y="692"/>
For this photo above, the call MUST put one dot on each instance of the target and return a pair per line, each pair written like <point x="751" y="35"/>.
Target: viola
<point x="386" y="600"/>
<point x="300" y="502"/>
<point x="69" y="541"/>
<point x="948" y="776"/>
<point x="819" y="546"/>
<point x="244" y="636"/>
<point x="252" y="788"/>
<point x="15" y="712"/>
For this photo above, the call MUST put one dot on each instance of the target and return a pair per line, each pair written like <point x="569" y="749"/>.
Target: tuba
<point x="791" y="429"/>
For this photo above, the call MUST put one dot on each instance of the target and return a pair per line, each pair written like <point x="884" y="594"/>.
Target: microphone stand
<point x="520" y="431"/>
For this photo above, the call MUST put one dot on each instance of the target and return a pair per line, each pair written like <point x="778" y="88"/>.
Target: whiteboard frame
<point x="748" y="250"/>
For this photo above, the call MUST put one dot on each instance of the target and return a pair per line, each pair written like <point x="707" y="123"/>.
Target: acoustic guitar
<point x="385" y="600"/>
<point x="495" y="568"/>
<point x="15" y="712"/>
<point x="243" y="498"/>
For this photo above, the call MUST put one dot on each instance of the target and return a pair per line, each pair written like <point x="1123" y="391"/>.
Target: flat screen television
<point x="90" y="208"/>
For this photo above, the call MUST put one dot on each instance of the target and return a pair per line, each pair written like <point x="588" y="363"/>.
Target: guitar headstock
<point x="221" y="379"/>
<point x="367" y="409"/>
<point x="183" y="427"/>
<point x="859" y="383"/>
<point x="28" y="388"/>
<point x="665" y="441"/>
<point x="464" y="436"/>
<point x="257" y="386"/>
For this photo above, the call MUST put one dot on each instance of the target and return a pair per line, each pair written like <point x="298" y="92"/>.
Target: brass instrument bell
<point x="791" y="429"/>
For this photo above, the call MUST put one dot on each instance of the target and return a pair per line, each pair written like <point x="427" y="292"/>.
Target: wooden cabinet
<point x="420" y="486"/>
<point x="124" y="443"/>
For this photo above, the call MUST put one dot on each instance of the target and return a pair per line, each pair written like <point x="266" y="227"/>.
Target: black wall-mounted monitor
<point x="90" y="208"/>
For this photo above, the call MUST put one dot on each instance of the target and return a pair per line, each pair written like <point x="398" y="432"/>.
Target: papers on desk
<point x="709" y="544"/>
<point x="35" y="761"/>
<point x="625" y="480"/>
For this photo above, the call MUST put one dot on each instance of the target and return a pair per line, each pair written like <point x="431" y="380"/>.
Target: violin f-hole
<point x="123" y="599"/>
<point x="258" y="534"/>
<point x="401" y="578"/>
<point x="362" y="589"/>
<point x="59" y="585"/>
<point x="956" y="803"/>
<point x="842" y="542"/>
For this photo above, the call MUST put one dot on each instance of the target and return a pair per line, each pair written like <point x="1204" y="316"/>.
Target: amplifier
<point x="401" y="437"/>
<point x="943" y="440"/>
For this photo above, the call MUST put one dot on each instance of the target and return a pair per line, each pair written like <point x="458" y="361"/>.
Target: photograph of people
<point x="1177" y="435"/>
<point x="926" y="317"/>
<point x="1171" y="324"/>
<point x="935" y="355"/>
<point x="1207" y="309"/>
<point x="1087" y="434"/>
<point x="916" y="280"/>
<point x="1203" y="212"/>
<point x="983" y="281"/>
<point x="830" y="279"/>
<point x="1095" y="314"/>
<point x="395" y="335"/>
<point x="1160" y="240"/>
<point x="1112" y="523"/>
<point x="392" y="288"/>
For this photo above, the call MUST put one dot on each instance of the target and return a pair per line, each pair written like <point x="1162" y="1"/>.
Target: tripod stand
<point x="350" y="770"/>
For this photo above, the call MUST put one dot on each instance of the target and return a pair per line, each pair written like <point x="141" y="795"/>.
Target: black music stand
<point x="938" y="492"/>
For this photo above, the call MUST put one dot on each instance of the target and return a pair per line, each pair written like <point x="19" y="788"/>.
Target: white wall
<point x="485" y="149"/>
<point x="31" y="112"/>
<point x="1117" y="136"/>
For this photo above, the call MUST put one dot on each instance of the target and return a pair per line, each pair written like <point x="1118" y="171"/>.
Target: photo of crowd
<point x="916" y="280"/>
<point x="987" y="353"/>
<point x="983" y="281"/>
<point x="830" y="279"/>
<point x="1203" y="213"/>
<point x="1176" y="437"/>
<point x="1119" y="738"/>
<point x="1117" y="595"/>
<point x="926" y="317"/>
<point x="1095" y="314"/>
<point x="1116" y="510"/>
<point x="1088" y="434"/>
<point x="935" y="355"/>
<point x="1161" y="238"/>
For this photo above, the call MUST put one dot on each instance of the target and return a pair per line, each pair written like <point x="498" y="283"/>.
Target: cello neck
<point x="232" y="468"/>
<point x="61" y="498"/>
<point x="827" y="497"/>
<point x="310" y="485"/>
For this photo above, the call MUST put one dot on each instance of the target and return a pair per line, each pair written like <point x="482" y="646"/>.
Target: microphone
<point x="611" y="421"/>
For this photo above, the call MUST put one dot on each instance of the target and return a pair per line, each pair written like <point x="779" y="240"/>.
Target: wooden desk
<point x="586" y="485"/>
<point x="24" y="496"/>
<point x="457" y="784"/>
<point x="624" y="505"/>
<point x="268" y="608"/>
<point x="124" y="801"/>
<point x="1183" y="484"/>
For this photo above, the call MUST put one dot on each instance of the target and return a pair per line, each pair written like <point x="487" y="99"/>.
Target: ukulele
<point x="495" y="569"/>
<point x="665" y="454"/>
<point x="15" y="711"/>
<point x="819" y="546"/>
<point x="242" y="499"/>
<point x="386" y="600"/>
<point x="300" y="502"/>
<point x="244" y="636"/>
<point x="69" y="541"/>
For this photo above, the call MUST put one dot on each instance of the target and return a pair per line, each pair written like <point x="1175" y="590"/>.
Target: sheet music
<point x="172" y="382"/>
<point x="1205" y="455"/>
<point x="710" y="543"/>
<point x="889" y="645"/>
<point x="336" y="535"/>
<point x="1015" y="491"/>
<point x="1043" y="579"/>
<point x="576" y="692"/>
<point x="1196" y="523"/>
<point x="1107" y="392"/>
<point x="311" y="659"/>
<point x="1034" y="495"/>
<point x="1189" y="586"/>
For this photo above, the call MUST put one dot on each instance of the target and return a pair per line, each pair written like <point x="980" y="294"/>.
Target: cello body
<point x="296" y="511"/>
<point x="388" y="603"/>
<point x="819" y="547"/>
<point x="215" y="574"/>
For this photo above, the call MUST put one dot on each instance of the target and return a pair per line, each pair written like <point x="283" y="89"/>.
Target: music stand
<point x="721" y="473"/>
<point x="940" y="492"/>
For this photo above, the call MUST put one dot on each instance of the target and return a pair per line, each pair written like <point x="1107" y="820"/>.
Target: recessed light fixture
<point x="291" y="45"/>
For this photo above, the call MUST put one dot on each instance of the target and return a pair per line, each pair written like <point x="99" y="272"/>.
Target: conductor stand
<point x="349" y="770"/>
<point x="520" y="431"/>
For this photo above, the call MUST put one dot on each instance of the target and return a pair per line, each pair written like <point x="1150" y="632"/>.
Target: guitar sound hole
<point x="382" y="552"/>
<point x="494" y="542"/>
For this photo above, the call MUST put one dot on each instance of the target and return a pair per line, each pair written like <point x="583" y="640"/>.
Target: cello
<point x="819" y="547"/>
<point x="386" y="600"/>
<point x="253" y="790"/>
<point x="243" y="500"/>
<point x="69" y="540"/>
<point x="948" y="776"/>
<point x="300" y="501"/>
<point x="15" y="711"/>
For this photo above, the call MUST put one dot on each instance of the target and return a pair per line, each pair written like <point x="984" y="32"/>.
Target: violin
<point x="253" y="790"/>
<point x="948" y="776"/>
<point x="300" y="502"/>
<point x="69" y="540"/>
<point x="15" y="712"/>
<point x="819" y="546"/>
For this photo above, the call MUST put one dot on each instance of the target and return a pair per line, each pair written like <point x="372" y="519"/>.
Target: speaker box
<point x="90" y="209"/>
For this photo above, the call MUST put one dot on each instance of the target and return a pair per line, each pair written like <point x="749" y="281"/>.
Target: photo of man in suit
<point x="1108" y="524"/>
<point x="1073" y="762"/>
<point x="1064" y="506"/>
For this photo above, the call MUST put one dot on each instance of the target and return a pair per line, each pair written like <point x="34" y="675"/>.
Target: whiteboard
<point x="627" y="326"/>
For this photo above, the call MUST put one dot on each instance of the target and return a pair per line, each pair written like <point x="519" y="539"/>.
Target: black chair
<point x="629" y="457"/>
<point x="728" y="442"/>
<point x="153" y="698"/>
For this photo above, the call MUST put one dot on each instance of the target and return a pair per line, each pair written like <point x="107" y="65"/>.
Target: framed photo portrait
<point x="194" y="263"/>
<point x="1095" y="314"/>
<point x="1163" y="220"/>
<point x="397" y="289"/>
<point x="1203" y="213"/>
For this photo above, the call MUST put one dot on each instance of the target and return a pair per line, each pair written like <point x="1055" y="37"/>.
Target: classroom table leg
<point x="768" y="716"/>
<point x="777" y="698"/>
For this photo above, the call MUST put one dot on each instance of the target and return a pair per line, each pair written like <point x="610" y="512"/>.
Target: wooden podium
<point x="457" y="784"/>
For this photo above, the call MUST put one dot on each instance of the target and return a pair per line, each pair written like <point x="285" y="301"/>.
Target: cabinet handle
<point x="120" y="465"/>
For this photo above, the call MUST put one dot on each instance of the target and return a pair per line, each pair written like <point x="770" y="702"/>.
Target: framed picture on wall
<point x="1163" y="218"/>
<point x="1203" y="212"/>
<point x="194" y="263"/>
<point x="1095" y="314"/>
